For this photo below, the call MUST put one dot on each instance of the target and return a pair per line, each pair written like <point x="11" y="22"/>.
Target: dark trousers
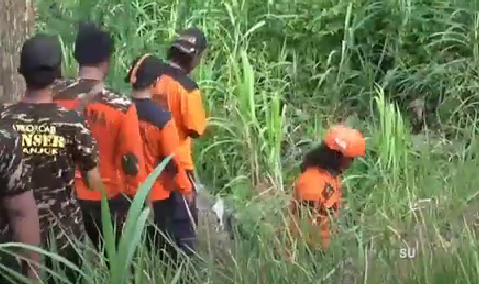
<point x="91" y="211"/>
<point x="159" y="234"/>
<point x="181" y="224"/>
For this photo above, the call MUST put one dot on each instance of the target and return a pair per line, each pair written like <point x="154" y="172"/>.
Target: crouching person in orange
<point x="160" y="140"/>
<point x="318" y="190"/>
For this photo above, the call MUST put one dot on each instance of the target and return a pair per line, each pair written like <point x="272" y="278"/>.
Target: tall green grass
<point x="277" y="74"/>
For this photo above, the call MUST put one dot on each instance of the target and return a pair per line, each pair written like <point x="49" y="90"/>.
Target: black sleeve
<point x="15" y="174"/>
<point x="85" y="150"/>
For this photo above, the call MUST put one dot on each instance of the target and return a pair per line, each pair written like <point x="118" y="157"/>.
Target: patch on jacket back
<point x="328" y="191"/>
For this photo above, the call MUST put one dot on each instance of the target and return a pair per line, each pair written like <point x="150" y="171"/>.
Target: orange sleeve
<point x="169" y="143"/>
<point x="131" y="150"/>
<point x="193" y="113"/>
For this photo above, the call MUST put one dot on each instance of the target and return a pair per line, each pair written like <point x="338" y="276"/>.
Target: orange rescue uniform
<point x="160" y="140"/>
<point x="181" y="96"/>
<point x="321" y="193"/>
<point x="114" y="124"/>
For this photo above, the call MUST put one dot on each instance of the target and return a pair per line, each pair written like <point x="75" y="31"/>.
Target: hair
<point x="138" y="85"/>
<point x="92" y="45"/>
<point x="40" y="79"/>
<point x="323" y="157"/>
<point x="179" y="57"/>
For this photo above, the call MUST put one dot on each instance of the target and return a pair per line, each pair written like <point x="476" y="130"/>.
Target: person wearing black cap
<point x="178" y="93"/>
<point x="160" y="140"/>
<point x="54" y="141"/>
<point x="186" y="51"/>
<point x="114" y="123"/>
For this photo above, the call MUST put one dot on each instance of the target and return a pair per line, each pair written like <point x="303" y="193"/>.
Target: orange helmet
<point x="350" y="142"/>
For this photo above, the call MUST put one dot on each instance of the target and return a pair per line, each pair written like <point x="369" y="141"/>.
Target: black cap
<point x="40" y="53"/>
<point x="92" y="45"/>
<point x="190" y="41"/>
<point x="144" y="71"/>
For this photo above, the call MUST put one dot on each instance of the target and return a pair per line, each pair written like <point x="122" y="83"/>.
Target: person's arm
<point x="20" y="204"/>
<point x="94" y="179"/>
<point x="193" y="114"/>
<point x="86" y="156"/>
<point x="130" y="149"/>
<point x="169" y="143"/>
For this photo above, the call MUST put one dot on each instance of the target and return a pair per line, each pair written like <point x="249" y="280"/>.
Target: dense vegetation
<point x="277" y="73"/>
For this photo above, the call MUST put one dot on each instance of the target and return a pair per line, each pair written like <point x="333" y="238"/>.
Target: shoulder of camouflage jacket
<point x="8" y="142"/>
<point x="7" y="132"/>
<point x="57" y="114"/>
<point x="73" y="88"/>
<point x="116" y="100"/>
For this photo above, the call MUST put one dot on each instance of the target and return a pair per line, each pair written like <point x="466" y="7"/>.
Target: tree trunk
<point x="17" y="21"/>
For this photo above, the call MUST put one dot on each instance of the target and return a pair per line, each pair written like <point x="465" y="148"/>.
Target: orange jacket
<point x="322" y="191"/>
<point x="182" y="98"/>
<point x="114" y="124"/>
<point x="160" y="140"/>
